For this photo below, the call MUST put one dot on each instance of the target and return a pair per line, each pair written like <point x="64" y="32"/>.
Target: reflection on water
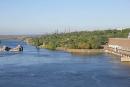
<point x="86" y="54"/>
<point x="44" y="68"/>
<point x="2" y="54"/>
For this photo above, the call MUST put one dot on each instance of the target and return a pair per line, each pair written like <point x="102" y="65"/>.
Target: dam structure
<point x="120" y="47"/>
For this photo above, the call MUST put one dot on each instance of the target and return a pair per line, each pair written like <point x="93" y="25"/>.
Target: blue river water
<point x="44" y="68"/>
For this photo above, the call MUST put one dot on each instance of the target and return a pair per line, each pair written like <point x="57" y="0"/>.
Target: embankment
<point x="80" y="50"/>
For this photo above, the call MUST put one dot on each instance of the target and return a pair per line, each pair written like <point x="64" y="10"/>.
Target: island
<point x="82" y="41"/>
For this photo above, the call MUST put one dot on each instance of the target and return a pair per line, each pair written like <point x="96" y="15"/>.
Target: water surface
<point x="44" y="68"/>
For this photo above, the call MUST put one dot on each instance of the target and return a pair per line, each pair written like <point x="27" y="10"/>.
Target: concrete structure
<point x="119" y="43"/>
<point x="120" y="47"/>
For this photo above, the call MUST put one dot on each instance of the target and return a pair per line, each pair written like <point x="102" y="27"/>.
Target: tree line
<point x="79" y="40"/>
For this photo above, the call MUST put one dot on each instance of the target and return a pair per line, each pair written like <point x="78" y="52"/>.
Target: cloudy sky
<point x="43" y="16"/>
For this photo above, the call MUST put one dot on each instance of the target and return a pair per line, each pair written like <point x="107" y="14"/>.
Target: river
<point x="44" y="68"/>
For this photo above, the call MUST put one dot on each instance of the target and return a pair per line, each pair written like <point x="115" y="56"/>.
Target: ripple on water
<point x="44" y="68"/>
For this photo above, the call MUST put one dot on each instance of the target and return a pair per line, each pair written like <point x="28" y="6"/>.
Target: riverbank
<point x="80" y="50"/>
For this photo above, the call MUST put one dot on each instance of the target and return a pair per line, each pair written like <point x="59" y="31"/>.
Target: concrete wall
<point x="122" y="42"/>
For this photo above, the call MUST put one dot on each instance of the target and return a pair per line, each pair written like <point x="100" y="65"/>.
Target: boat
<point x="18" y="48"/>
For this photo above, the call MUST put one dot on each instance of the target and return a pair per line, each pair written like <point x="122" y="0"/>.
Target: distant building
<point x="119" y="43"/>
<point x="120" y="47"/>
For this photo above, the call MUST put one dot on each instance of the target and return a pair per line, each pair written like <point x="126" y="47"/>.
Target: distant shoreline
<point x="17" y="37"/>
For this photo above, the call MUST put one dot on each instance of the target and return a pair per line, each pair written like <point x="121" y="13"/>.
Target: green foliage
<point x="79" y="40"/>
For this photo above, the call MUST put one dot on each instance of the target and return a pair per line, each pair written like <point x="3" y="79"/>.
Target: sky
<point x="48" y="16"/>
